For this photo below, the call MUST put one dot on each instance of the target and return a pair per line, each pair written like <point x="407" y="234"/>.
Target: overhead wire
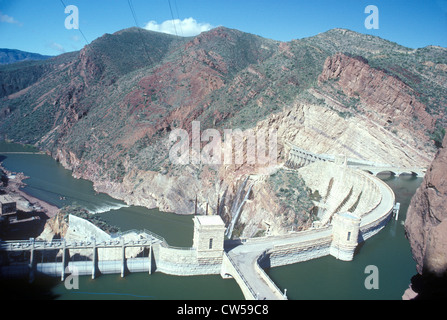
<point x="132" y="10"/>
<point x="182" y="50"/>
<point x="178" y="16"/>
<point x="146" y="50"/>
<point x="78" y="27"/>
<point x="173" y="19"/>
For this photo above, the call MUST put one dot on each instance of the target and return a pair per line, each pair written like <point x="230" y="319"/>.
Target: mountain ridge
<point x="8" y="56"/>
<point x="106" y="112"/>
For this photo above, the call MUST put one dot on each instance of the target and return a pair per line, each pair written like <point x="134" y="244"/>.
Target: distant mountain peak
<point x="8" y="56"/>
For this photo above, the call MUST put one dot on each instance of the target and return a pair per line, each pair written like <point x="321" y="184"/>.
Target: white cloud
<point x="75" y="38"/>
<point x="56" y="46"/>
<point x="186" y="28"/>
<point x="8" y="19"/>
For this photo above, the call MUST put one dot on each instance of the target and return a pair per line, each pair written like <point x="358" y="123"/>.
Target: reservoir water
<point x="324" y="278"/>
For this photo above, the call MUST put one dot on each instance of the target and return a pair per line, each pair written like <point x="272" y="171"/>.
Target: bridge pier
<point x="123" y="260"/>
<point x="94" y="260"/>
<point x="150" y="258"/>
<point x="64" y="249"/>
<point x="32" y="263"/>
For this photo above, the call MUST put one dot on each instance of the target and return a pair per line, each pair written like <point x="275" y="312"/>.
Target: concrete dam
<point x="355" y="205"/>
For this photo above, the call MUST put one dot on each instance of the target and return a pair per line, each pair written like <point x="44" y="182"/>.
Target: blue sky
<point x="39" y="25"/>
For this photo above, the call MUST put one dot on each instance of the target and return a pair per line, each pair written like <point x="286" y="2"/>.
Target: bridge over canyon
<point x="298" y="158"/>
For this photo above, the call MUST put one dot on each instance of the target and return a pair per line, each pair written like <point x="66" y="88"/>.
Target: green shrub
<point x="80" y="212"/>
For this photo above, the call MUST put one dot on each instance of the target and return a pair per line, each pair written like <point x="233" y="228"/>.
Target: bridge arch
<point x="298" y="158"/>
<point x="412" y="173"/>
<point x="391" y="172"/>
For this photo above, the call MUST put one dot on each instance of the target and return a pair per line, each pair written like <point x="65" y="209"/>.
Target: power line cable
<point x="178" y="16"/>
<point x="182" y="50"/>
<point x="173" y="19"/>
<point x="82" y="33"/>
<point x="146" y="50"/>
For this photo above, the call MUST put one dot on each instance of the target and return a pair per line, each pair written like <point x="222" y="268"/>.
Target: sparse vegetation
<point x="78" y="211"/>
<point x="117" y="112"/>
<point x="438" y="134"/>
<point x="294" y="197"/>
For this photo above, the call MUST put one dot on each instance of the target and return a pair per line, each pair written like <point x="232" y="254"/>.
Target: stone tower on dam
<point x="345" y="234"/>
<point x="209" y="234"/>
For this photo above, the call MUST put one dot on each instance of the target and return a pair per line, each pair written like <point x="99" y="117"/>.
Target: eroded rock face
<point x="426" y="223"/>
<point x="311" y="127"/>
<point x="383" y="92"/>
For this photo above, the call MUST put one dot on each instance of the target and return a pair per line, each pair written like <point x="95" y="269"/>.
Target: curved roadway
<point x="246" y="255"/>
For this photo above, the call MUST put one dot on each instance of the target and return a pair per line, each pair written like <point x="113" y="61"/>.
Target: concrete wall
<point x="266" y="278"/>
<point x="298" y="252"/>
<point x="350" y="190"/>
<point x="80" y="229"/>
<point x="205" y="257"/>
<point x="303" y="251"/>
<point x="184" y="262"/>
<point x="372" y="229"/>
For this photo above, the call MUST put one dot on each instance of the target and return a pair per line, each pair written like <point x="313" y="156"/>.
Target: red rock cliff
<point x="383" y="93"/>
<point x="426" y="225"/>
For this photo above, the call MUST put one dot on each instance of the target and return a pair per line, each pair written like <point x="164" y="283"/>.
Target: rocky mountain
<point x="19" y="70"/>
<point x="18" y="76"/>
<point x="106" y="112"/>
<point x="8" y="56"/>
<point x="426" y="229"/>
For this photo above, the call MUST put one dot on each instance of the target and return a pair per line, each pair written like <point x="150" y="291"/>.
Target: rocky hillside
<point x="106" y="112"/>
<point x="21" y="75"/>
<point x="426" y="229"/>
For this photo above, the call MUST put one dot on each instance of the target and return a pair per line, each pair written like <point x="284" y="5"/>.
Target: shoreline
<point x="49" y="210"/>
<point x="32" y="203"/>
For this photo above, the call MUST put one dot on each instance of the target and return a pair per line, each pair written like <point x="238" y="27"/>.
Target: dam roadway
<point x="246" y="254"/>
<point x="246" y="258"/>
